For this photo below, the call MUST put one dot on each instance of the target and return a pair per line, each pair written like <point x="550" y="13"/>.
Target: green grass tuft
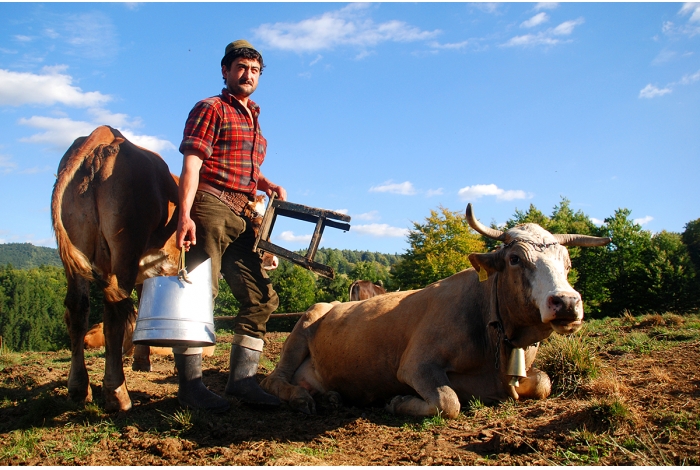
<point x="569" y="361"/>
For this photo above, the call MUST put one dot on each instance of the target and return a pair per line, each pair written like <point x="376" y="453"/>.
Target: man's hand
<point x="268" y="187"/>
<point x="186" y="233"/>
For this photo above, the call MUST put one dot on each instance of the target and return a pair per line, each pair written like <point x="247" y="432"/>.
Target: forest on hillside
<point x="639" y="272"/>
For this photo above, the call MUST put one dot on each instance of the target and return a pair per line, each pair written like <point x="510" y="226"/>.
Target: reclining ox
<point x="114" y="214"/>
<point x="427" y="351"/>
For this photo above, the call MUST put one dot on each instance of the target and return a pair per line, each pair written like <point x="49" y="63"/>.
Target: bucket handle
<point x="182" y="271"/>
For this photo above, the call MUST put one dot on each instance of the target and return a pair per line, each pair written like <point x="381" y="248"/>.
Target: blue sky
<point x="383" y="110"/>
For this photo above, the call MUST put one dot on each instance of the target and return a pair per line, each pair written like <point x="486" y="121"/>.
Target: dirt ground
<point x="658" y="422"/>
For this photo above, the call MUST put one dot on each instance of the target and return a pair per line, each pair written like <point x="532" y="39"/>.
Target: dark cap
<point x="239" y="44"/>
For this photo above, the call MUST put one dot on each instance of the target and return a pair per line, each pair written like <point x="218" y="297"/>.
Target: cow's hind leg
<point x="436" y="394"/>
<point x="118" y="309"/>
<point x="77" y="319"/>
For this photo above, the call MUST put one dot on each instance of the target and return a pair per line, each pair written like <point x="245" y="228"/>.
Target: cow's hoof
<point x="303" y="404"/>
<point x="81" y="395"/>
<point x="396" y="403"/>
<point x="332" y="399"/>
<point x="117" y="400"/>
<point x="141" y="366"/>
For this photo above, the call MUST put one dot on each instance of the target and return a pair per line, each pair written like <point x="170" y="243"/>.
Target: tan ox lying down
<point x="427" y="351"/>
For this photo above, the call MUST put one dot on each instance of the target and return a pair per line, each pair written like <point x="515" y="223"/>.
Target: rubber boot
<point x="242" y="383"/>
<point x="192" y="392"/>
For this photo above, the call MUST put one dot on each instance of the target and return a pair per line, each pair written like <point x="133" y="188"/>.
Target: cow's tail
<point x="84" y="156"/>
<point x="352" y="287"/>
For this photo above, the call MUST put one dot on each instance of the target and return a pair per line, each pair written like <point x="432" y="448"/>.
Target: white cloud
<point x="691" y="28"/>
<point x="692" y="8"/>
<point x="6" y="164"/>
<point x="349" y="26"/>
<point x="371" y="215"/>
<point x="434" y="192"/>
<point x="643" y="220"/>
<point x="46" y="89"/>
<point x="688" y="79"/>
<point x="546" y="6"/>
<point x="379" y="230"/>
<point x="650" y="91"/>
<point x="597" y="221"/>
<point x="341" y="211"/>
<point x="288" y="236"/>
<point x="567" y="27"/>
<point x="406" y="188"/>
<point x="149" y="142"/>
<point x="471" y="193"/>
<point x="61" y="132"/>
<point x="486" y="7"/>
<point x="549" y="37"/>
<point x="536" y="20"/>
<point x="663" y="57"/>
<point x="450" y="46"/>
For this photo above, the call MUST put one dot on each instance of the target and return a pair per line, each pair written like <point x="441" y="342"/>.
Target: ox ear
<point x="486" y="264"/>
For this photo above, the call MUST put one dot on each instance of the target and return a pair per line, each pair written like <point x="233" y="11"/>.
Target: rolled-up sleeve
<point x="200" y="129"/>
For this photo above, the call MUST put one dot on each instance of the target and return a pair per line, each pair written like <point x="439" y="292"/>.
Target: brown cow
<point x="113" y="212"/>
<point x="363" y="290"/>
<point x="427" y="351"/>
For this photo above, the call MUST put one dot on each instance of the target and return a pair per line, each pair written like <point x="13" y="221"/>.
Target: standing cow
<point x="431" y="349"/>
<point x="113" y="210"/>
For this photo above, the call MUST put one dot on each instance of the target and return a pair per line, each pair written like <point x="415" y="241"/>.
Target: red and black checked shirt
<point x="234" y="146"/>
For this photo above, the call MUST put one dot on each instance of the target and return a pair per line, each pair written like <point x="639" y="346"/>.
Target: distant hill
<point x="27" y="256"/>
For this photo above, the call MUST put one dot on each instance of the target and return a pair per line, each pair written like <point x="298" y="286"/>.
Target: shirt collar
<point x="230" y="99"/>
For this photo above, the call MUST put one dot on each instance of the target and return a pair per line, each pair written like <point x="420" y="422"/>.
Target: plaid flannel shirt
<point x="233" y="145"/>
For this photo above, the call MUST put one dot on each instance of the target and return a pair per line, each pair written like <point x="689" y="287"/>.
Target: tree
<point x="438" y="249"/>
<point x="31" y="309"/>
<point x="329" y="290"/>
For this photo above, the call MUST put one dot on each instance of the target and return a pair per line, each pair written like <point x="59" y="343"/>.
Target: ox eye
<point x="514" y="259"/>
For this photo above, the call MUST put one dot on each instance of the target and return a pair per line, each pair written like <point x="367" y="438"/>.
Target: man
<point x="223" y="149"/>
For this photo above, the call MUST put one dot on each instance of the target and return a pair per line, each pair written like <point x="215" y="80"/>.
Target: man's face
<point x="242" y="77"/>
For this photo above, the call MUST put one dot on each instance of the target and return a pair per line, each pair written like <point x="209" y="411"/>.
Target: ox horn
<point x="481" y="228"/>
<point x="581" y="240"/>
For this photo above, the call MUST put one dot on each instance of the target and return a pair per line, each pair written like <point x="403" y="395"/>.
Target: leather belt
<point x="236" y="201"/>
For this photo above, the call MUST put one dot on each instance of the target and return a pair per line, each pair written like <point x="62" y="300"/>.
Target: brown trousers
<point x="228" y="240"/>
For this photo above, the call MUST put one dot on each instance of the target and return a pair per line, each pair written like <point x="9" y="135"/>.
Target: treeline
<point x="639" y="272"/>
<point x="31" y="298"/>
<point x="26" y="256"/>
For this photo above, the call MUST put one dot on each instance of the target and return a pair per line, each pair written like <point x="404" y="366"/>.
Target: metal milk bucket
<point x="177" y="311"/>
